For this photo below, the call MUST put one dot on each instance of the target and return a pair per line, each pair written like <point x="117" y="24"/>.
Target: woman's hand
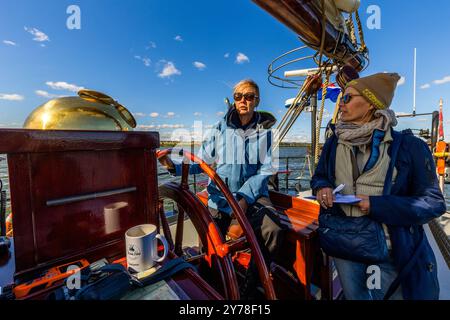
<point x="364" y="204"/>
<point x="325" y="197"/>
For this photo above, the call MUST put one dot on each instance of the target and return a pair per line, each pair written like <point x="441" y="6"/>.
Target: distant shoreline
<point x="167" y="144"/>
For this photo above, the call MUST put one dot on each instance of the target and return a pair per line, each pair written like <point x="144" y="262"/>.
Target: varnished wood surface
<point x="49" y="165"/>
<point x="31" y="141"/>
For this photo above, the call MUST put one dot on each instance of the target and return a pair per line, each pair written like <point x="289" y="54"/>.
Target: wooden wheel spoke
<point x="165" y="224"/>
<point x="185" y="175"/>
<point x="209" y="233"/>
<point x="179" y="232"/>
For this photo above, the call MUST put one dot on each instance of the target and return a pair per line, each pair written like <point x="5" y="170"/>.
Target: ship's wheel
<point x="218" y="252"/>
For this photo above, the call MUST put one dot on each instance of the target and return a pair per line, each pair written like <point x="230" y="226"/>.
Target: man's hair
<point x="245" y="83"/>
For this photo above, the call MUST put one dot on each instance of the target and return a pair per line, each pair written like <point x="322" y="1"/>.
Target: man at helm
<point x="240" y="146"/>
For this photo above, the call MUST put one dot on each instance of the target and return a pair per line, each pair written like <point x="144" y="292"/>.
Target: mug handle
<point x="166" y="248"/>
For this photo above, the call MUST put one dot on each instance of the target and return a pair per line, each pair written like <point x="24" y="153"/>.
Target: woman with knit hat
<point x="378" y="244"/>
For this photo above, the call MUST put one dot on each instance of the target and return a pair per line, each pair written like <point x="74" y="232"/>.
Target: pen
<point x="339" y="188"/>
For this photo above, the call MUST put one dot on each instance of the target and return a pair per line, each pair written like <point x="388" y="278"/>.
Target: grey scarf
<point x="357" y="134"/>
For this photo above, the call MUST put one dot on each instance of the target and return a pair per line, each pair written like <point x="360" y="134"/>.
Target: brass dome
<point x="91" y="110"/>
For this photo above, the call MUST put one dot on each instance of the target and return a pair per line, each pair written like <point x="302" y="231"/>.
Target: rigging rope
<point x="442" y="239"/>
<point x="360" y="32"/>
<point x="292" y="114"/>
<point x="319" y="120"/>
<point x="351" y="28"/>
<point x="305" y="92"/>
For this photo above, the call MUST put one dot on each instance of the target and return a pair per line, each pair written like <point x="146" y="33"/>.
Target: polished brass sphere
<point x="91" y="110"/>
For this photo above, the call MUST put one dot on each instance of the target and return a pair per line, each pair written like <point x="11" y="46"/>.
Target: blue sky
<point x="173" y="62"/>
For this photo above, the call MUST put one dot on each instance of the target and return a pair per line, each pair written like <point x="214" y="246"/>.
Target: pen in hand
<point x="339" y="188"/>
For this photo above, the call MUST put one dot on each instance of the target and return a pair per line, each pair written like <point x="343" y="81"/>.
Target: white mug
<point x="141" y="246"/>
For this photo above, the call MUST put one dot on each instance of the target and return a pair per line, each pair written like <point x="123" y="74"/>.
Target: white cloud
<point x="197" y="114"/>
<point x="154" y="114"/>
<point x="425" y="86"/>
<point x="145" y="60"/>
<point x="145" y="127"/>
<point x="401" y="81"/>
<point x="326" y="114"/>
<point x="11" y="97"/>
<point x="151" y="45"/>
<point x="45" y="94"/>
<point x="9" y="42"/>
<point x="159" y="126"/>
<point x="296" y="138"/>
<point x="178" y="38"/>
<point x="170" y="126"/>
<point x="38" y="35"/>
<point x="241" y="58"/>
<point x="61" y="85"/>
<point x="11" y="125"/>
<point x="169" y="70"/>
<point x="220" y="113"/>
<point x="139" y="114"/>
<point x="226" y="55"/>
<point x="170" y="114"/>
<point x="442" y="81"/>
<point x="199" y="65"/>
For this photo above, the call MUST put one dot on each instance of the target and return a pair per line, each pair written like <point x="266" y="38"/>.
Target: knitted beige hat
<point x="378" y="89"/>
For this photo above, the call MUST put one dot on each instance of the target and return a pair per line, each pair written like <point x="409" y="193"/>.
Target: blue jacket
<point x="413" y="200"/>
<point x="242" y="156"/>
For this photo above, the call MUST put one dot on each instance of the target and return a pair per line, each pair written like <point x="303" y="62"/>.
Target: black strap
<point x="86" y="274"/>
<point x="120" y="286"/>
<point x="168" y="269"/>
<point x="405" y="270"/>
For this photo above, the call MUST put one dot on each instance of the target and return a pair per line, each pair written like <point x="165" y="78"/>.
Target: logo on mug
<point x="133" y="251"/>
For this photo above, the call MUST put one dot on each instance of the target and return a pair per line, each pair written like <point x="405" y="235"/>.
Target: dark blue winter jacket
<point x="414" y="199"/>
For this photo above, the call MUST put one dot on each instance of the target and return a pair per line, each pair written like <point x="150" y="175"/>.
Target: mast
<point x="415" y="77"/>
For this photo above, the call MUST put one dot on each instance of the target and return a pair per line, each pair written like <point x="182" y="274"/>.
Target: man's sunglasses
<point x="248" y="96"/>
<point x="348" y="97"/>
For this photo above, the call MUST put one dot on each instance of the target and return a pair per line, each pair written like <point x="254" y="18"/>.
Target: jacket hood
<point x="261" y="119"/>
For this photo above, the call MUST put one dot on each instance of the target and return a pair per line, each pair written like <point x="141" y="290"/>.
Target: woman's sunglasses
<point x="248" y="96"/>
<point x="348" y="97"/>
